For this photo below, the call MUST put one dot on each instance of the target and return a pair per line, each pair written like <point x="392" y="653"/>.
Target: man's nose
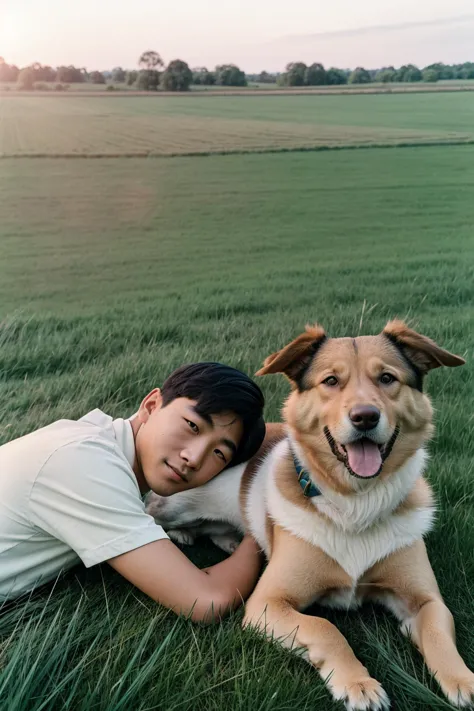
<point x="194" y="456"/>
<point x="364" y="417"/>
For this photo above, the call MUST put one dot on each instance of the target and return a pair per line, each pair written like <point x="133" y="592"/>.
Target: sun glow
<point x="11" y="40"/>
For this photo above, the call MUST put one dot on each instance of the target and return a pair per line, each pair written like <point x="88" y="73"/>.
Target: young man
<point x="73" y="491"/>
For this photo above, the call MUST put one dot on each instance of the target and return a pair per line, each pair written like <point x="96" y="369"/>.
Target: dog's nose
<point x="364" y="417"/>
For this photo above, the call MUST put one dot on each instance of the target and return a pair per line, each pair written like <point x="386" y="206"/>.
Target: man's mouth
<point x="176" y="472"/>
<point x="363" y="457"/>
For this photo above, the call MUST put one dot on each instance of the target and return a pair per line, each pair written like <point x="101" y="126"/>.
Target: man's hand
<point x="163" y="572"/>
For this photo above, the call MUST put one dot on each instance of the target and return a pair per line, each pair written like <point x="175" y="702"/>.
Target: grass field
<point x="252" y="87"/>
<point x="120" y="126"/>
<point x="114" y="271"/>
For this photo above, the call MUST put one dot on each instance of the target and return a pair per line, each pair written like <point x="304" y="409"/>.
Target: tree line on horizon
<point x="154" y="75"/>
<point x="300" y="74"/>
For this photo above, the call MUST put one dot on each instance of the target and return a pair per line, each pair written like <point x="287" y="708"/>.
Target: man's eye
<point x="221" y="455"/>
<point x="387" y="378"/>
<point x="331" y="381"/>
<point x="193" y="426"/>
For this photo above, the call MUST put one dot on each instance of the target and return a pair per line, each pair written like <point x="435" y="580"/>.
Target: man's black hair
<point x="219" y="388"/>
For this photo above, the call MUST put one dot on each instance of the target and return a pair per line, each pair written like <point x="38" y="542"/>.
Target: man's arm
<point x="163" y="572"/>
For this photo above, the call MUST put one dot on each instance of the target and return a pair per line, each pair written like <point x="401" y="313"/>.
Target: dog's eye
<point x="331" y="381"/>
<point x="387" y="378"/>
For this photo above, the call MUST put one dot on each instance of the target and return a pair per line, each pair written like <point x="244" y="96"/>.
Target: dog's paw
<point x="226" y="542"/>
<point x="460" y="691"/>
<point x="182" y="536"/>
<point x="364" y="695"/>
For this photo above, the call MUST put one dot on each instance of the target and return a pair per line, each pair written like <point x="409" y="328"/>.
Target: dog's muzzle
<point x="363" y="458"/>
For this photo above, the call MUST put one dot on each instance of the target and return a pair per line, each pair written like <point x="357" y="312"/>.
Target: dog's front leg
<point x="295" y="576"/>
<point x="432" y="630"/>
<point x="425" y="618"/>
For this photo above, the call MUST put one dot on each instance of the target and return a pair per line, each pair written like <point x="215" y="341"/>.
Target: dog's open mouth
<point x="363" y="457"/>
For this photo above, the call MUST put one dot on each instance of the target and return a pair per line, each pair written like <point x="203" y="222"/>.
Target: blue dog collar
<point x="309" y="489"/>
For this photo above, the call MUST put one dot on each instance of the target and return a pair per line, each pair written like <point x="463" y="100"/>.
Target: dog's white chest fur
<point x="357" y="530"/>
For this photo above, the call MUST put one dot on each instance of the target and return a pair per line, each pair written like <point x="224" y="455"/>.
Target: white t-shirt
<point x="68" y="493"/>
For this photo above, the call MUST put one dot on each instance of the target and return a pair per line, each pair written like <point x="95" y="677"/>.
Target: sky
<point x="255" y="34"/>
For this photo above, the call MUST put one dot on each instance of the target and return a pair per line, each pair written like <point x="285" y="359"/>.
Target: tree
<point x="150" y="60"/>
<point x="43" y="73"/>
<point x="265" y="78"/>
<point x="118" y="75"/>
<point x="230" y="75"/>
<point x="177" y="76"/>
<point x="131" y="77"/>
<point x="8" y="72"/>
<point x="209" y="78"/>
<point x="430" y="75"/>
<point x="26" y="79"/>
<point x="315" y="75"/>
<point x="409" y="73"/>
<point x="148" y="80"/>
<point x="359" y="76"/>
<point x="336" y="76"/>
<point x="386" y="75"/>
<point x="466" y="71"/>
<point x="295" y="73"/>
<point x="442" y="71"/>
<point x="202" y="75"/>
<point x="71" y="75"/>
<point x="97" y="78"/>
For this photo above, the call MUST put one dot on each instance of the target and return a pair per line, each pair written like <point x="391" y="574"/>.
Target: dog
<point x="337" y="500"/>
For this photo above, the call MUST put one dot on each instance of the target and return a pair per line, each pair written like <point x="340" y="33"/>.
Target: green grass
<point x="128" y="125"/>
<point x="113" y="272"/>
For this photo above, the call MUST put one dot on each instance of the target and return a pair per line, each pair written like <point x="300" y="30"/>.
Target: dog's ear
<point x="424" y="353"/>
<point x="294" y="358"/>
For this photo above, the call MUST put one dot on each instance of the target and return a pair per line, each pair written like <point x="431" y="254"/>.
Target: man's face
<point x="179" y="449"/>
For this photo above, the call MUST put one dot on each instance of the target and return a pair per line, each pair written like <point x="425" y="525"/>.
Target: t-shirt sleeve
<point x="86" y="495"/>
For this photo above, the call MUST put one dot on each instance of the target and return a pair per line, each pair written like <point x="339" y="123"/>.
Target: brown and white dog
<point x="337" y="500"/>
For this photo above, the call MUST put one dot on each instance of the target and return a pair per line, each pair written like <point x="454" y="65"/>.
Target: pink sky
<point x="256" y="34"/>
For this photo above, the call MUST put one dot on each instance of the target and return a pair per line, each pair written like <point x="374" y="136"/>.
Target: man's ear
<point x="294" y="358"/>
<point x="150" y="403"/>
<point x="424" y="353"/>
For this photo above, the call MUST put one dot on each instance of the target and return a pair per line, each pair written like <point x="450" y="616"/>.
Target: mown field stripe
<point x="242" y="151"/>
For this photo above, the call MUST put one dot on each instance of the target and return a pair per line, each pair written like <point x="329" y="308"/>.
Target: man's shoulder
<point x="33" y="450"/>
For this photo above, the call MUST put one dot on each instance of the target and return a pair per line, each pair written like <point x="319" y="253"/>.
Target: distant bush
<point x="61" y="87"/>
<point x="26" y="79"/>
<point x="111" y="87"/>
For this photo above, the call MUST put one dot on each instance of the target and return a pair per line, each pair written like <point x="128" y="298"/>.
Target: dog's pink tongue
<point x="364" y="457"/>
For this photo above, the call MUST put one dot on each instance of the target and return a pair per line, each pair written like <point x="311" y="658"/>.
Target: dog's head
<point x="357" y="406"/>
